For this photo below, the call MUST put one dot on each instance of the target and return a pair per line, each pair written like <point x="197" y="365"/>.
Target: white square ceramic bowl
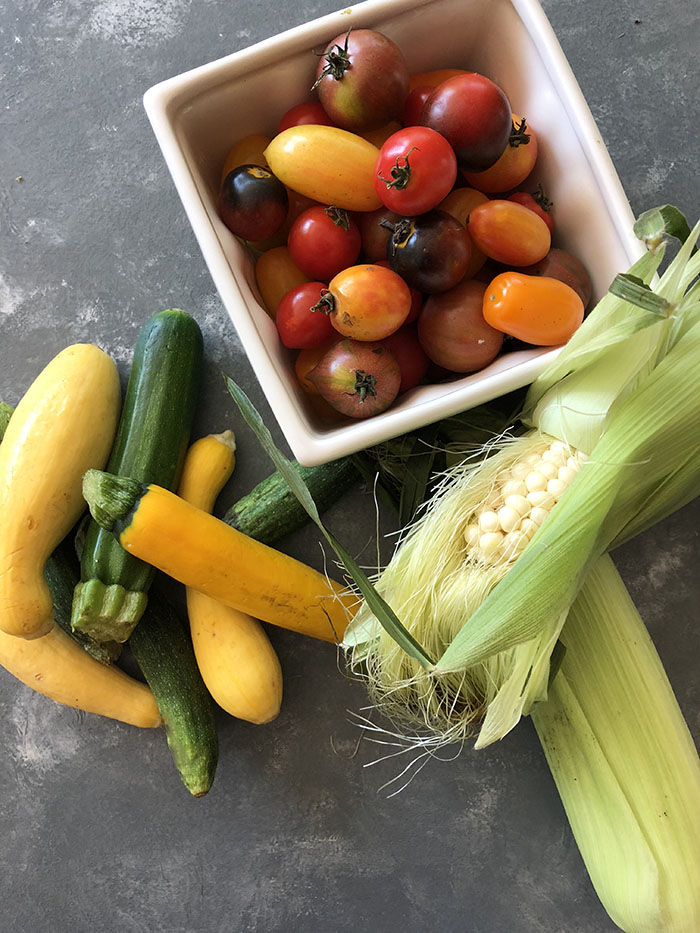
<point x="197" y="116"/>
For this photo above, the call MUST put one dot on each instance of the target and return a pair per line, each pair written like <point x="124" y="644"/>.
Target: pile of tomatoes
<point x="397" y="235"/>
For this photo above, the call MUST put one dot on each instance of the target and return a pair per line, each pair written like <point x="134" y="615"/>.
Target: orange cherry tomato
<point x="509" y="233"/>
<point x="535" y="309"/>
<point x="513" y="166"/>
<point x="368" y="302"/>
<point x="459" y="203"/>
<point x="276" y="273"/>
<point x="327" y="164"/>
<point x="433" y="78"/>
<point x="247" y="151"/>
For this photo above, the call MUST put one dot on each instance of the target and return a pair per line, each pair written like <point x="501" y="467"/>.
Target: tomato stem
<point x="325" y="304"/>
<point x="518" y="136"/>
<point x="339" y="216"/>
<point x="542" y="199"/>
<point x="400" y="172"/>
<point x="365" y="384"/>
<point x="337" y="62"/>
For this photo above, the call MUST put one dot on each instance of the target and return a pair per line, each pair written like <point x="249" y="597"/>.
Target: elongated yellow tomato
<point x="63" y="426"/>
<point x="58" y="667"/>
<point x="234" y="655"/>
<point x="327" y="164"/>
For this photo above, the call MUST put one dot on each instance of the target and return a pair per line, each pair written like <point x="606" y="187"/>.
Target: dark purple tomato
<point x="558" y="264"/>
<point x="253" y="203"/>
<point x="453" y="332"/>
<point x="299" y="326"/>
<point x="474" y="116"/>
<point x="357" y="379"/>
<point x="375" y="230"/>
<point x="430" y="252"/>
<point x="362" y="80"/>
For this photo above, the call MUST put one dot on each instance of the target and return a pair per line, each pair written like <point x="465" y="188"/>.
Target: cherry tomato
<point x="375" y="230"/>
<point x="413" y="104"/>
<point x="247" y="151"/>
<point x="367" y="302"/>
<point x="253" y="203"/>
<point x="379" y="136"/>
<point x="459" y="203"/>
<point x="453" y="332"/>
<point x="433" y="78"/>
<point x="416" y="297"/>
<point x="357" y="379"/>
<point x="299" y="325"/>
<point x="509" y="233"/>
<point x="327" y="164"/>
<point x="474" y="116"/>
<point x="558" y="264"/>
<point x="536" y="309"/>
<point x="310" y="111"/>
<point x="362" y="80"/>
<point x="307" y="359"/>
<point x="430" y="252"/>
<point x="323" y="241"/>
<point x="410" y="356"/>
<point x="537" y="202"/>
<point x="415" y="170"/>
<point x="515" y="163"/>
<point x="275" y="274"/>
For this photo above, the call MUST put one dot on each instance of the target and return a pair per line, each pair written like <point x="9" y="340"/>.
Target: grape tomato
<point x="535" y="309"/>
<point x="509" y="233"/>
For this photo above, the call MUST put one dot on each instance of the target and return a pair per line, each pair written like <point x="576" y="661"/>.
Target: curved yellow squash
<point x="61" y="669"/>
<point x="235" y="658"/>
<point x="64" y="424"/>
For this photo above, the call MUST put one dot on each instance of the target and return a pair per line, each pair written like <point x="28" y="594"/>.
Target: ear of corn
<point x="624" y="762"/>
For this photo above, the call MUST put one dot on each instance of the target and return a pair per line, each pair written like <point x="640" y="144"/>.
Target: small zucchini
<point x="207" y="554"/>
<point x="64" y="424"/>
<point x="162" y="647"/>
<point x="234" y="654"/>
<point x="150" y="446"/>
<point x="271" y="510"/>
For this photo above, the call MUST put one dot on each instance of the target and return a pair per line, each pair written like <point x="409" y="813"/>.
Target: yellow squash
<point x="63" y="426"/>
<point x="207" y="554"/>
<point x="235" y="658"/>
<point x="61" y="669"/>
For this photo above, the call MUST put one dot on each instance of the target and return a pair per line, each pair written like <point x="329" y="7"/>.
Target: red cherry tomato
<point x="298" y="324"/>
<point x="324" y="240"/>
<point x="453" y="332"/>
<point x="537" y="202"/>
<point x="410" y="356"/>
<point x="513" y="166"/>
<point x="474" y="116"/>
<point x="367" y="302"/>
<point x="415" y="170"/>
<point x="509" y="233"/>
<point x="309" y="111"/>
<point x="357" y="379"/>
<point x="535" y="309"/>
<point x="414" y="104"/>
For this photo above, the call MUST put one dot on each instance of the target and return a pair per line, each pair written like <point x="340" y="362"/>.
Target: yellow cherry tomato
<point x="534" y="308"/>
<point x="326" y="164"/>
<point x="276" y="273"/>
<point x="247" y="151"/>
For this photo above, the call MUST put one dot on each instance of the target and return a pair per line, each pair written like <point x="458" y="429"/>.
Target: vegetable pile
<point x="381" y="251"/>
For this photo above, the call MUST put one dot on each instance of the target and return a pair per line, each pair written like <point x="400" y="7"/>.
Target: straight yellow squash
<point x="64" y="425"/>
<point x="234" y="655"/>
<point x="208" y="555"/>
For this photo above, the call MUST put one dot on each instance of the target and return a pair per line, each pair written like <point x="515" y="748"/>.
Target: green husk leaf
<point x="419" y="466"/>
<point x="631" y="288"/>
<point x="659" y="222"/>
<point x="5" y="415"/>
<point x="379" y="607"/>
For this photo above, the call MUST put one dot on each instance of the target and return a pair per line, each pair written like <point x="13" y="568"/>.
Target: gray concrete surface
<point x="98" y="833"/>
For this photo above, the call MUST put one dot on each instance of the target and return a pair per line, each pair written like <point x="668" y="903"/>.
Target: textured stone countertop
<point x="296" y="834"/>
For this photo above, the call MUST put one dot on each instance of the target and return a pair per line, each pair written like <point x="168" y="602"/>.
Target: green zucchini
<point x="150" y="446"/>
<point x="162" y="647"/>
<point x="61" y="572"/>
<point x="271" y="510"/>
